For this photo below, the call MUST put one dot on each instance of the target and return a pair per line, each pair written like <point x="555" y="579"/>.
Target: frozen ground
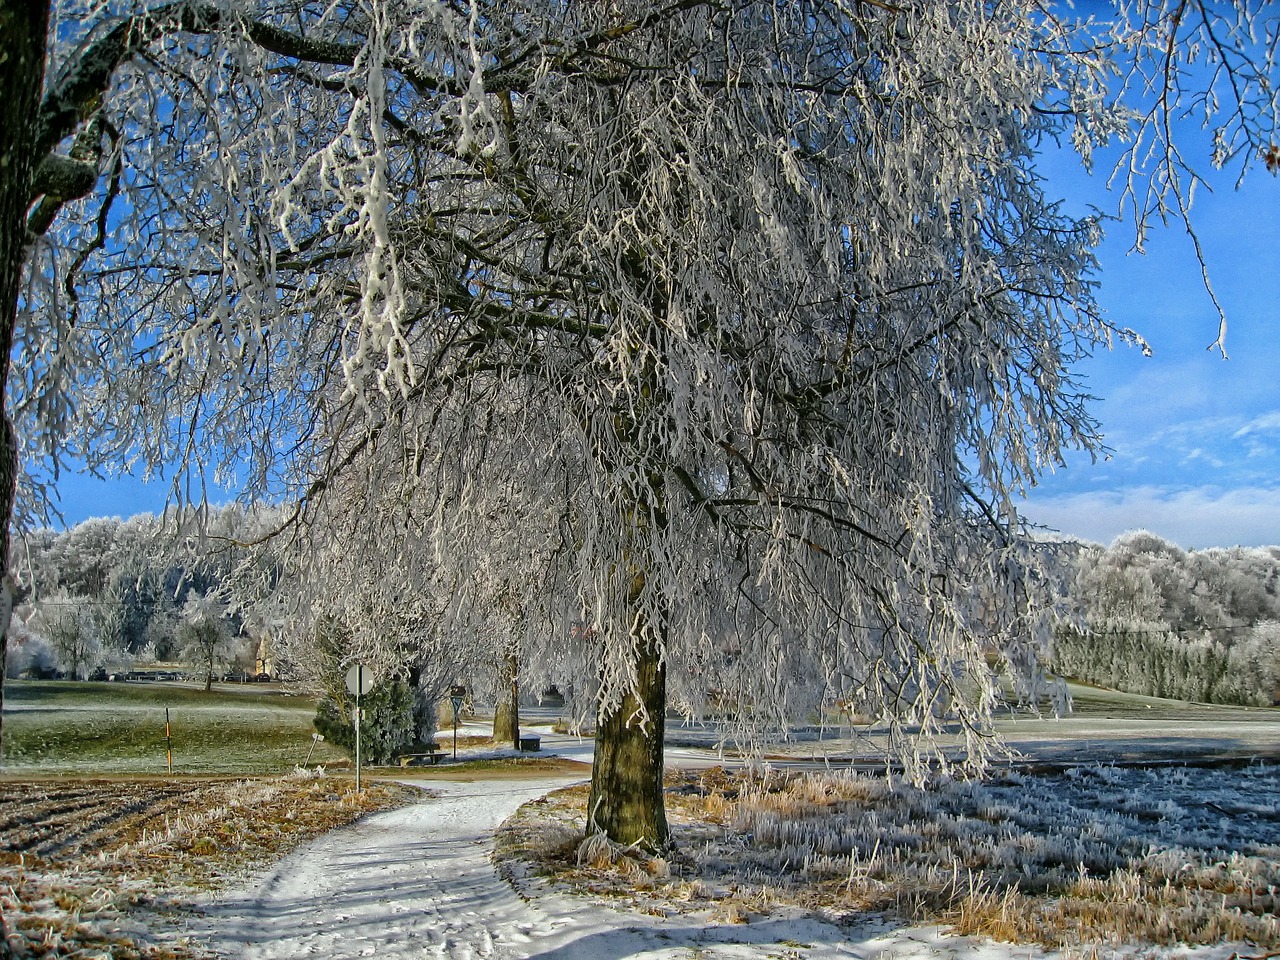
<point x="419" y="882"/>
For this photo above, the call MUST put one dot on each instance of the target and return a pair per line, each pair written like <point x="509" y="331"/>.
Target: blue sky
<point x="1195" y="439"/>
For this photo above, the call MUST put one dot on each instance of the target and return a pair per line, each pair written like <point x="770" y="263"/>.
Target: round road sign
<point x="359" y="679"/>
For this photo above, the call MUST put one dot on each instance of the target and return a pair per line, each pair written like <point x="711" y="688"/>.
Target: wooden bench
<point x="433" y="756"/>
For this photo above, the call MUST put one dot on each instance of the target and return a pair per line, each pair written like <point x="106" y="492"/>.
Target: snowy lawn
<point x="1099" y="855"/>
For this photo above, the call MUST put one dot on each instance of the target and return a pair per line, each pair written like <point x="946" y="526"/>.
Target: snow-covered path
<point x="412" y="882"/>
<point x="418" y="882"/>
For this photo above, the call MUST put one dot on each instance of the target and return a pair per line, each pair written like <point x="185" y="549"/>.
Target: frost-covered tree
<point x="1244" y="583"/>
<point x="727" y="330"/>
<point x="28" y="650"/>
<point x="68" y="623"/>
<point x="205" y="637"/>
<point x="86" y="555"/>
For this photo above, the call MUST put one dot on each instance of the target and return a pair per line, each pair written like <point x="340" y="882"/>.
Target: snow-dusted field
<point x="420" y="882"/>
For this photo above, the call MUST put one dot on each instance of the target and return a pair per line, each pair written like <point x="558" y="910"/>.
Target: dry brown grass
<point x="78" y="857"/>
<point x="1064" y="861"/>
<point x="1125" y="907"/>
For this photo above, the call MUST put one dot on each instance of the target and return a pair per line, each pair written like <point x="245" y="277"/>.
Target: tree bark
<point x="24" y="25"/>
<point x="626" y="802"/>
<point x="506" y="710"/>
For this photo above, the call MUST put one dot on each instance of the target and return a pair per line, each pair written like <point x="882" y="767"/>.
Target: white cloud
<point x="1195" y="518"/>
<point x="1201" y="456"/>
<point x="1263" y="424"/>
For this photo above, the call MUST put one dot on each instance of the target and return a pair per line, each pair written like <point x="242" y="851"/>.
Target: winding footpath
<point x="418" y="882"/>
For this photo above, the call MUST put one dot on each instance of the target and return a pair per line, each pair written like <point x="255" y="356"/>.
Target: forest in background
<point x="1145" y="616"/>
<point x="1141" y="615"/>
<point x="108" y="595"/>
<point x="213" y="597"/>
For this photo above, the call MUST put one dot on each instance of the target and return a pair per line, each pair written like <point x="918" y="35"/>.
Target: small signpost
<point x="359" y="682"/>
<point x="168" y="740"/>
<point x="456" y="696"/>
<point x="315" y="738"/>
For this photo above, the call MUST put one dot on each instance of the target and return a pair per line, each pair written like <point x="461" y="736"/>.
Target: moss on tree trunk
<point x="626" y="802"/>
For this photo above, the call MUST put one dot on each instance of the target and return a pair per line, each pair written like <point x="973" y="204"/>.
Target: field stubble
<point x="78" y="858"/>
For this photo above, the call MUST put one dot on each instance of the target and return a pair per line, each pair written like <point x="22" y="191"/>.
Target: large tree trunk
<point x="626" y="802"/>
<point x="506" y="712"/>
<point x="24" y="25"/>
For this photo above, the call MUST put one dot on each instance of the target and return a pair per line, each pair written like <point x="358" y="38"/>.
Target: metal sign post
<point x="315" y="738"/>
<point x="456" y="695"/>
<point x="359" y="682"/>
<point x="356" y="720"/>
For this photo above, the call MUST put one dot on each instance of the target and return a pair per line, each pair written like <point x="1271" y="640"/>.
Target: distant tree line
<point x="1152" y="618"/>
<point x="107" y="594"/>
